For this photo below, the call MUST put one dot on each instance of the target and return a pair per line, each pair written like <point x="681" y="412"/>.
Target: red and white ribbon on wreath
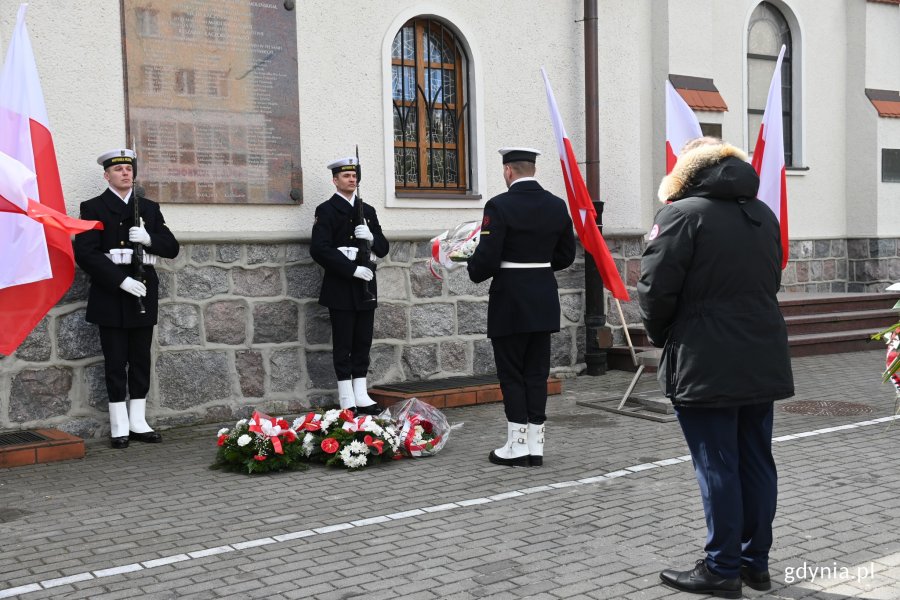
<point x="310" y="422"/>
<point x="356" y="424"/>
<point x="267" y="427"/>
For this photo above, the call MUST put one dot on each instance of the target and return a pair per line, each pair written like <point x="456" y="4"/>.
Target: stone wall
<point x="240" y="328"/>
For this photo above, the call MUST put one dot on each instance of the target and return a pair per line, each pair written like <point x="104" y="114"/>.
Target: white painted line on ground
<point x="118" y="570"/>
<point x="149" y="564"/>
<point x="66" y="580"/>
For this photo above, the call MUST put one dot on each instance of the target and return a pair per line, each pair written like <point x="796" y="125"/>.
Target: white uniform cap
<point x="343" y="164"/>
<point x="117" y="156"/>
<point x="519" y="154"/>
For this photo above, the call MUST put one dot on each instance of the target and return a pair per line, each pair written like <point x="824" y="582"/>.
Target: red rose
<point x="259" y="457"/>
<point x="289" y="436"/>
<point x="427" y="427"/>
<point x="330" y="445"/>
<point x="346" y="415"/>
<point x="283" y="424"/>
<point x="222" y="439"/>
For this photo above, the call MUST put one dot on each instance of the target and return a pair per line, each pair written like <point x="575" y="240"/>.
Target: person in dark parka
<point x="349" y="287"/>
<point x="709" y="278"/>
<point x="526" y="235"/>
<point x="105" y="255"/>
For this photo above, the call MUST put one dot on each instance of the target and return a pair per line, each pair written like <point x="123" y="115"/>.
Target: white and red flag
<point x="768" y="158"/>
<point x="682" y="125"/>
<point x="36" y="261"/>
<point x="580" y="206"/>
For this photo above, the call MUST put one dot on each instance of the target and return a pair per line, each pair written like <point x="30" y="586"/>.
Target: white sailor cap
<point x="349" y="163"/>
<point x="117" y="157"/>
<point x="519" y="154"/>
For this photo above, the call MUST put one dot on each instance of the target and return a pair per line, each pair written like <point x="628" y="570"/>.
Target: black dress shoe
<point x="758" y="580"/>
<point x="119" y="443"/>
<point x="535" y="460"/>
<point x="372" y="409"/>
<point x="150" y="437"/>
<point x="700" y="580"/>
<point x="519" y="461"/>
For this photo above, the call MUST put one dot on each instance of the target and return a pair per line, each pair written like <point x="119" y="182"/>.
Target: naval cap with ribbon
<point x="519" y="154"/>
<point x="119" y="156"/>
<point x="349" y="163"/>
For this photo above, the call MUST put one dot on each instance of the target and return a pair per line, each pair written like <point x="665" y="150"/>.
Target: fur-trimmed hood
<point x="715" y="171"/>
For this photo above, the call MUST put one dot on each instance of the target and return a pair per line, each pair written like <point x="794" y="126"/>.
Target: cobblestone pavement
<point x="614" y="503"/>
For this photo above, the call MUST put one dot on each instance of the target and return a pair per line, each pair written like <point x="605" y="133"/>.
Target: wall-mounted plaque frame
<point x="211" y="98"/>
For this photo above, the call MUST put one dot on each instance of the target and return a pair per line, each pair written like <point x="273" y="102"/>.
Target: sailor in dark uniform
<point x="526" y="235"/>
<point x="339" y="243"/>
<point x="106" y="256"/>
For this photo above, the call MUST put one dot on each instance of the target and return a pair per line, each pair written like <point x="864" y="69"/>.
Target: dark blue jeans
<point x="732" y="453"/>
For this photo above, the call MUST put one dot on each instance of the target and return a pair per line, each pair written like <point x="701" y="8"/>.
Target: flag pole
<point x="625" y="329"/>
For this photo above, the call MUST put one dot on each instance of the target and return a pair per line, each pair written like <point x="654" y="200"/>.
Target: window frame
<point x="427" y="109"/>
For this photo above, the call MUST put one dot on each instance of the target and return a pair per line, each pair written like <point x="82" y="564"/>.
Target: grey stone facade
<point x="240" y="328"/>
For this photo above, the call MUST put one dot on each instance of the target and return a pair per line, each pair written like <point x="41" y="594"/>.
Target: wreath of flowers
<point x="260" y="445"/>
<point x="338" y="438"/>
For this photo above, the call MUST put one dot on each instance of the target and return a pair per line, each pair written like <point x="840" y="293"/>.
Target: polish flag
<point x="682" y="125"/>
<point x="580" y="206"/>
<point x="36" y="262"/>
<point x="768" y="158"/>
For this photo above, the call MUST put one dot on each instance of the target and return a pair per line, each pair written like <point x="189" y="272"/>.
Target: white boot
<point x="137" y="420"/>
<point x="536" y="444"/>
<point x="515" y="452"/>
<point x="118" y="424"/>
<point x="364" y="404"/>
<point x="136" y="415"/>
<point x="345" y="394"/>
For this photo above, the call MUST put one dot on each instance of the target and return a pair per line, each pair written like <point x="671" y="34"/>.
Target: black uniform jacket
<point x="108" y="305"/>
<point x="333" y="228"/>
<point x="707" y="291"/>
<point x="527" y="224"/>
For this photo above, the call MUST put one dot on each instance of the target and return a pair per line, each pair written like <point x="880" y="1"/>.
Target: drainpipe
<point x="598" y="336"/>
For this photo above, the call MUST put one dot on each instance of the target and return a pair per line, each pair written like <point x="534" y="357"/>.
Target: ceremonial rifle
<point x="364" y="247"/>
<point x="137" y="256"/>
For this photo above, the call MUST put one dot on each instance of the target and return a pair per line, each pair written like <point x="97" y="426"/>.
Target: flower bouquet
<point x="891" y="337"/>
<point x="260" y="445"/>
<point x="423" y="429"/>
<point x="338" y="438"/>
<point x="454" y="247"/>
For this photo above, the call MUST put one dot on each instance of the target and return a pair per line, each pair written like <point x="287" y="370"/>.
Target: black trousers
<point x="351" y="339"/>
<point x="126" y="353"/>
<point x="523" y="365"/>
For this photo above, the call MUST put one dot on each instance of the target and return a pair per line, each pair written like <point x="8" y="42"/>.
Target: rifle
<point x="364" y="247"/>
<point x="137" y="256"/>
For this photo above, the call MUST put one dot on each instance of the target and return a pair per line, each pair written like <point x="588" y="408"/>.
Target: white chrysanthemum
<point x="357" y="447"/>
<point x="244" y="440"/>
<point x="223" y="431"/>
<point x="241" y="423"/>
<point x="373" y="427"/>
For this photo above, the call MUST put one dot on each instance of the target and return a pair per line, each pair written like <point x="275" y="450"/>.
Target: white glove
<point x="362" y="232"/>
<point x="149" y="259"/>
<point x="134" y="287"/>
<point x="363" y="273"/>
<point x="139" y="235"/>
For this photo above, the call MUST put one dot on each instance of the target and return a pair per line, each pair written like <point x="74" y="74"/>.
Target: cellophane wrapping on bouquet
<point x="422" y="428"/>
<point x="454" y="247"/>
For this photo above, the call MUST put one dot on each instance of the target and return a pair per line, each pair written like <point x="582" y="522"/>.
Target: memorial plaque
<point x="211" y="100"/>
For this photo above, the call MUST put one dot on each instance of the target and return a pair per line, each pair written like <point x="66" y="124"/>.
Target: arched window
<point x="767" y="32"/>
<point x="429" y="84"/>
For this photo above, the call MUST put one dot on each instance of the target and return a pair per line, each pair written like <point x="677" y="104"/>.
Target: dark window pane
<point x="890" y="165"/>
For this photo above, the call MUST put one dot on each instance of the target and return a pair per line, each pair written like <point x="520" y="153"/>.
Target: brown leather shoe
<point x="150" y="437"/>
<point x="700" y="580"/>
